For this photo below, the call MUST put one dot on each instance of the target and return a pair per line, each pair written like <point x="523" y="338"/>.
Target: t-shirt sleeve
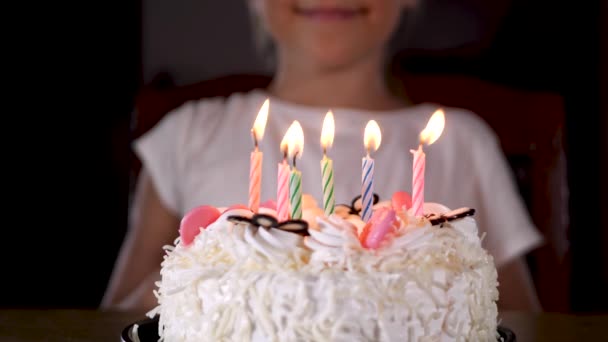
<point x="159" y="151"/>
<point x="504" y="217"/>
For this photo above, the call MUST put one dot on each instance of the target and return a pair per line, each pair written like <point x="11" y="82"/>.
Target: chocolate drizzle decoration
<point x="439" y="219"/>
<point x="341" y="208"/>
<point x="263" y="220"/>
<point x="294" y="226"/>
<point x="299" y="227"/>
<point x="355" y="204"/>
<point x="236" y="219"/>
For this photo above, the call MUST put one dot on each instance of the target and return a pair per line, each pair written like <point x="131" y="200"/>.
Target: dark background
<point x="67" y="133"/>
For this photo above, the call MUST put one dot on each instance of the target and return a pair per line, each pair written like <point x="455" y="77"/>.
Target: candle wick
<point x="368" y="152"/>
<point x="255" y="140"/>
<point x="294" y="159"/>
<point x="285" y="155"/>
<point x="324" y="151"/>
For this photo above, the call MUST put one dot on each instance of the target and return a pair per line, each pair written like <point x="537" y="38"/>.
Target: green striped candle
<point x="294" y="139"/>
<point x="295" y="194"/>
<point x="327" y="172"/>
<point x="327" y="165"/>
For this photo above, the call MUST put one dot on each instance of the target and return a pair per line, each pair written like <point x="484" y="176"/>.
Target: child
<point x="330" y="55"/>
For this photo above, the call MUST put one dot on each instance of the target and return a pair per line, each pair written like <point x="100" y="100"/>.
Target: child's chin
<point x="337" y="56"/>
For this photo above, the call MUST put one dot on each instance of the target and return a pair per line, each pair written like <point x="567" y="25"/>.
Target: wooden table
<point x="90" y="325"/>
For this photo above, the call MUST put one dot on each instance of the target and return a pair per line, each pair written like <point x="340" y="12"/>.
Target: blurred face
<point x="330" y="33"/>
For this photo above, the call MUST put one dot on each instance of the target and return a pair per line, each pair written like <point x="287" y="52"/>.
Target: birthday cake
<point x="244" y="276"/>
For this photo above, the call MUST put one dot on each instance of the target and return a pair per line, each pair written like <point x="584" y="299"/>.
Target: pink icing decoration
<point x="382" y="222"/>
<point x="400" y="200"/>
<point x="197" y="218"/>
<point x="270" y="204"/>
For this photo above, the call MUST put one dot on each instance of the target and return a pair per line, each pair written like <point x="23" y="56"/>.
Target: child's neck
<point x="361" y="85"/>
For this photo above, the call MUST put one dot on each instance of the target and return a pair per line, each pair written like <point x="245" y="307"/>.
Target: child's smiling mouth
<point x="330" y="13"/>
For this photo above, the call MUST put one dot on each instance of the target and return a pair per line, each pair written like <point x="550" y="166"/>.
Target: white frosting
<point x="334" y="243"/>
<point x="237" y="282"/>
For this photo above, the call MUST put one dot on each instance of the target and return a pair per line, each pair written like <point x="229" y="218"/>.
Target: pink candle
<point x="429" y="135"/>
<point x="418" y="181"/>
<point x="283" y="192"/>
<point x="255" y="180"/>
<point x="283" y="207"/>
<point x="255" y="169"/>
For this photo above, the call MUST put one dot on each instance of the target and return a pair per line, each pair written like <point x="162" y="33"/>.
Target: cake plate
<point x="147" y="331"/>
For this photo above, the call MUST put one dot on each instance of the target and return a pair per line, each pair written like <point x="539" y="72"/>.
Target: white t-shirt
<point x="200" y="154"/>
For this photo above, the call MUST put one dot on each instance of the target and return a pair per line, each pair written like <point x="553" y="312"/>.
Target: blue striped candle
<point x="371" y="139"/>
<point x="367" y="188"/>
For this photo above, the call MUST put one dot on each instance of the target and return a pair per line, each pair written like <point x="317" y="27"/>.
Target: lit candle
<point x="283" y="182"/>
<point x="327" y="165"/>
<point x="295" y="147"/>
<point x="371" y="139"/>
<point x="255" y="168"/>
<point x="429" y="135"/>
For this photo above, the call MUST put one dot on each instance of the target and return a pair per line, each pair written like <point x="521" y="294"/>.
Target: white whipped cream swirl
<point x="334" y="242"/>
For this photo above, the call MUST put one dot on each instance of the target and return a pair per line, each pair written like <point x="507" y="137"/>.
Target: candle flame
<point x="293" y="141"/>
<point x="327" y="132"/>
<point x="433" y="128"/>
<point x="259" y="126"/>
<point x="372" y="137"/>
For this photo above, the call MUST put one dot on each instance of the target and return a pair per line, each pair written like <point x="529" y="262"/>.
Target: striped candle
<point x="295" y="194"/>
<point x="327" y="172"/>
<point x="428" y="136"/>
<point x="294" y="143"/>
<point x="255" y="163"/>
<point x="372" y="138"/>
<point x="255" y="180"/>
<point x="283" y="192"/>
<point x="367" y="188"/>
<point x="327" y="165"/>
<point x="418" y="181"/>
